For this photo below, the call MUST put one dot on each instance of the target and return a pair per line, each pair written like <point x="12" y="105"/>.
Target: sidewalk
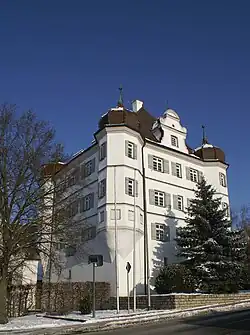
<point x="41" y="325"/>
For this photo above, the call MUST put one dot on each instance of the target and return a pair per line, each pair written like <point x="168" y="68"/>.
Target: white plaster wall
<point x="170" y="123"/>
<point x="30" y="270"/>
<point x="123" y="166"/>
<point x="211" y="171"/>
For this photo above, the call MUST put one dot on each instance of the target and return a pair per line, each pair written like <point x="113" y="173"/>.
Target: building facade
<point x="133" y="186"/>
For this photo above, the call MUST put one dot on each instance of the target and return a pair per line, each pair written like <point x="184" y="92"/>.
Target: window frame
<point x="131" y="187"/>
<point x="88" y="166"/>
<point x="159" y="198"/>
<point x="131" y="215"/>
<point x="178" y="170"/>
<point x="141" y="219"/>
<point x="174" y="141"/>
<point x="102" y="152"/>
<point x="130" y="150"/>
<point x="194" y="173"/>
<point x="159" y="232"/>
<point x="225" y="208"/>
<point x="222" y="179"/>
<point x="180" y="202"/>
<point x="118" y="214"/>
<point x="158" y="162"/>
<point x="102" y="188"/>
<point x="87" y="202"/>
<point x="101" y="216"/>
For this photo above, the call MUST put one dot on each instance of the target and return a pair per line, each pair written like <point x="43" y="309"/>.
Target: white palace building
<point x="134" y="184"/>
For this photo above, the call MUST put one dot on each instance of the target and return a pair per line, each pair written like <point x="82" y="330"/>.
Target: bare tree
<point x="27" y="192"/>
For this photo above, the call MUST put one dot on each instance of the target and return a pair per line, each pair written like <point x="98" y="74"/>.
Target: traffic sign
<point x="97" y="259"/>
<point x="128" y="267"/>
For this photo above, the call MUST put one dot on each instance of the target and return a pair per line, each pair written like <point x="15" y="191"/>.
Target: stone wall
<point x="65" y="297"/>
<point x="177" y="301"/>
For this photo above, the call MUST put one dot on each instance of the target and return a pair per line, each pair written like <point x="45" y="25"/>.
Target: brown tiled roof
<point x="140" y="121"/>
<point x="210" y="153"/>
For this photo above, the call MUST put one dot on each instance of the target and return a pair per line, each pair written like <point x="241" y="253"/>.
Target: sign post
<point x="128" y="268"/>
<point x="93" y="301"/>
<point x="96" y="260"/>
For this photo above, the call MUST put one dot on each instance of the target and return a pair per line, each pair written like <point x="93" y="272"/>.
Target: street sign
<point x="128" y="267"/>
<point x="97" y="259"/>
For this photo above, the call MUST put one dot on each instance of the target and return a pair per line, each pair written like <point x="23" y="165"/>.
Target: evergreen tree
<point x="212" y="250"/>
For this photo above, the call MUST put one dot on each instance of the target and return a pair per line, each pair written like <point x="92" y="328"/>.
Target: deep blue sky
<point x="66" y="59"/>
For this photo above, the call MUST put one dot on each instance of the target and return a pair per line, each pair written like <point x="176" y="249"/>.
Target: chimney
<point x="136" y="105"/>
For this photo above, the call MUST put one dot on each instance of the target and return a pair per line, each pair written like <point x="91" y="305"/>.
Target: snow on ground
<point x="33" y="322"/>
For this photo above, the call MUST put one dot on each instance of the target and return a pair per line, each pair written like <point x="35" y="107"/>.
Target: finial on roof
<point x="167" y="105"/>
<point x="120" y="101"/>
<point x="204" y="137"/>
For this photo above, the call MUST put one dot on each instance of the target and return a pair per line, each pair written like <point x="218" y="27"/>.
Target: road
<point x="220" y="324"/>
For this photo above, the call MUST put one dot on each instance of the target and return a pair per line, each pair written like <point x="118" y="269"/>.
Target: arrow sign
<point x="128" y="267"/>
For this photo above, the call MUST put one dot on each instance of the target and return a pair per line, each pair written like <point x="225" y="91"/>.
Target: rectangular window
<point x="70" y="250"/>
<point x="159" y="199"/>
<point x="223" y="180"/>
<point x="174" y="141"/>
<point x="103" y="151"/>
<point x="88" y="234"/>
<point x="131" y="215"/>
<point x="159" y="232"/>
<point x="89" y="167"/>
<point x="141" y="219"/>
<point x="157" y="164"/>
<point x="71" y="180"/>
<point x="165" y="261"/>
<point x="73" y="208"/>
<point x="180" y="202"/>
<point x="193" y="175"/>
<point x="130" y="150"/>
<point x="225" y="208"/>
<point x="61" y="245"/>
<point x="64" y="185"/>
<point x="178" y="170"/>
<point x="87" y="202"/>
<point x="102" y="188"/>
<point x="101" y="216"/>
<point x="82" y="171"/>
<point x="131" y="187"/>
<point x="118" y="214"/>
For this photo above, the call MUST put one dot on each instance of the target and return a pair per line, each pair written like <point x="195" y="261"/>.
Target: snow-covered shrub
<point x="174" y="278"/>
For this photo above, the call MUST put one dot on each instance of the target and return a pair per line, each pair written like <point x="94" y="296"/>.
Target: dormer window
<point x="174" y="141"/>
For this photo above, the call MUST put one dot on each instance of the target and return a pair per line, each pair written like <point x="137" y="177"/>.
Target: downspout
<point x="146" y="251"/>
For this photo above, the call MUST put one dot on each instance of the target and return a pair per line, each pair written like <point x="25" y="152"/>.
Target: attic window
<point x="174" y="141"/>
